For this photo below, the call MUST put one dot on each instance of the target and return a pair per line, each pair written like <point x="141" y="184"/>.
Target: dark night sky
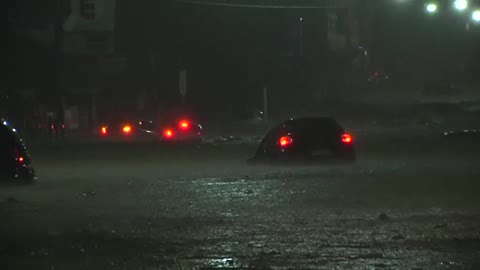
<point x="233" y="52"/>
<point x="230" y="52"/>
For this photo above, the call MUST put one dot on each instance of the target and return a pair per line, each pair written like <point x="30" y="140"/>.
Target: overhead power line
<point x="277" y="4"/>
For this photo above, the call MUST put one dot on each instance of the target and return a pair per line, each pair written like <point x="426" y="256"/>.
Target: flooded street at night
<point x="202" y="207"/>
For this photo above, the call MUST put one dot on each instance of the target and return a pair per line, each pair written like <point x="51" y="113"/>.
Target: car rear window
<point x="147" y="125"/>
<point x="314" y="125"/>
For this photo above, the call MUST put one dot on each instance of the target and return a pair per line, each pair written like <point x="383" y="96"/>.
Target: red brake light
<point x="285" y="141"/>
<point x="104" y="130"/>
<point x="168" y="133"/>
<point x="127" y="129"/>
<point x="347" y="138"/>
<point x="184" y="124"/>
<point x="20" y="160"/>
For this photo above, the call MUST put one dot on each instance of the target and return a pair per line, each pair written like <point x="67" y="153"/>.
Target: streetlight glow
<point x="460" y="4"/>
<point x="476" y="16"/>
<point x="431" y="8"/>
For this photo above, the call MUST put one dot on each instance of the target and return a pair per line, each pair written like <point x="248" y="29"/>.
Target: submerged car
<point x="306" y="139"/>
<point x="127" y="131"/>
<point x="15" y="162"/>
<point x="182" y="129"/>
<point x="178" y="129"/>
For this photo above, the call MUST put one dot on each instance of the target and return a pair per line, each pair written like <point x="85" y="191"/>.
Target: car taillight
<point x="104" y="130"/>
<point x="127" y="129"/>
<point x="184" y="124"/>
<point x="18" y="157"/>
<point x="347" y="138"/>
<point x="168" y="133"/>
<point x="285" y="141"/>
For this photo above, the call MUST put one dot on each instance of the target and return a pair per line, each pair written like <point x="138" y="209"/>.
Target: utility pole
<point x="183" y="85"/>
<point x="57" y="65"/>
<point x="265" y="105"/>
<point x="300" y="37"/>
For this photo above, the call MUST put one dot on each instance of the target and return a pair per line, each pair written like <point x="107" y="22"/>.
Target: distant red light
<point x="104" y="130"/>
<point x="168" y="133"/>
<point x="285" y="141"/>
<point x="20" y="160"/>
<point x="184" y="124"/>
<point x="127" y="129"/>
<point x="347" y="138"/>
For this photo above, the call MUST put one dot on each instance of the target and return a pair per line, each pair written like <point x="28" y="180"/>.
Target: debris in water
<point x="383" y="217"/>
<point x="12" y="200"/>
<point x="89" y="193"/>
<point x="398" y="237"/>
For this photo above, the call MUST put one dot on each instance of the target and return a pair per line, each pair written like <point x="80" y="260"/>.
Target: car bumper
<point x="297" y="156"/>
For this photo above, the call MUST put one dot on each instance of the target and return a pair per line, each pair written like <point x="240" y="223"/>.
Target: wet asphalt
<point x="407" y="203"/>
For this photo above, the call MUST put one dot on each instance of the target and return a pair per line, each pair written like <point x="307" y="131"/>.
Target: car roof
<point x="313" y="124"/>
<point x="311" y="120"/>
